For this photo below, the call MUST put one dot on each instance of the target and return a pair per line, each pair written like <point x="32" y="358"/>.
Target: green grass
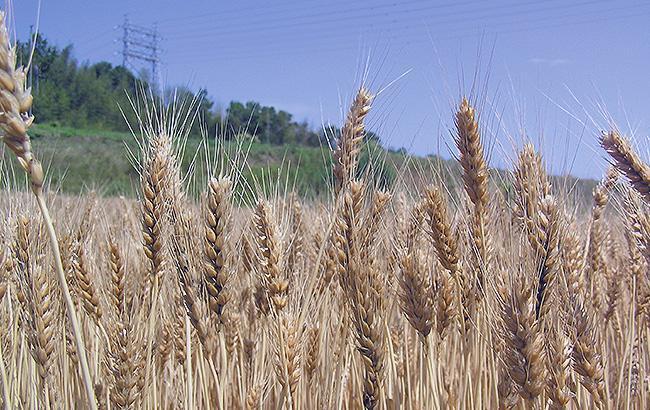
<point x="78" y="160"/>
<point x="54" y="130"/>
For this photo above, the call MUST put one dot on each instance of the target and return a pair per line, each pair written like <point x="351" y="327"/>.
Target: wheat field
<point x="474" y="297"/>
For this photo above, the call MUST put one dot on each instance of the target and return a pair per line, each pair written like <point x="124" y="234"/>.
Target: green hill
<point x="79" y="160"/>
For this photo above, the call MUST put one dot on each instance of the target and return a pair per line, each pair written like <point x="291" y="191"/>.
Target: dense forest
<point x="94" y="96"/>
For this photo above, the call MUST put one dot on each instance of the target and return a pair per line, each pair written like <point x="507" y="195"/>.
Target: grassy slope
<point x="79" y="159"/>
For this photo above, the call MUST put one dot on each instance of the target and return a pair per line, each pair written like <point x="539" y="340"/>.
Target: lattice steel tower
<point x="140" y="44"/>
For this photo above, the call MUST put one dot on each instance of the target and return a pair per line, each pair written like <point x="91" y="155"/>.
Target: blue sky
<point x="551" y="70"/>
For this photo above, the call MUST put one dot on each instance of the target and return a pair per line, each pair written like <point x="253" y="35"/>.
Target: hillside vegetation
<point x="80" y="160"/>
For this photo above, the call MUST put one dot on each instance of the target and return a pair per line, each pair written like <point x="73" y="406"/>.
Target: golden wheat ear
<point x="15" y="102"/>
<point x="415" y="294"/>
<point x="39" y="314"/>
<point x="348" y="146"/>
<point x="446" y="245"/>
<point x="217" y="216"/>
<point x="271" y="254"/>
<point x="587" y="361"/>
<point x="475" y="180"/>
<point x="628" y="162"/>
<point x="524" y="355"/>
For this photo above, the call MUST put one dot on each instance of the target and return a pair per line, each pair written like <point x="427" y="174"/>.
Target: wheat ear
<point x="125" y="359"/>
<point x="559" y="369"/>
<point x="353" y="262"/>
<point x="573" y="262"/>
<point x="531" y="186"/>
<point x="639" y="220"/>
<point x="155" y="176"/>
<point x="297" y="247"/>
<point x="597" y="234"/>
<point x="524" y="343"/>
<point x="270" y="255"/>
<point x="287" y="354"/>
<point x="154" y="185"/>
<point x="86" y="288"/>
<point x="312" y="358"/>
<point x="15" y="102"/>
<point x="586" y="358"/>
<point x="628" y="162"/>
<point x="217" y="214"/>
<point x="116" y="265"/>
<point x="40" y="315"/>
<point x="549" y="255"/>
<point x="445" y="243"/>
<point x="415" y="296"/>
<point x="126" y="364"/>
<point x="475" y="179"/>
<point x="348" y="146"/>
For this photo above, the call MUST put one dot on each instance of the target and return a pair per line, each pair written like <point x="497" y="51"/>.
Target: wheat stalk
<point x="358" y="279"/>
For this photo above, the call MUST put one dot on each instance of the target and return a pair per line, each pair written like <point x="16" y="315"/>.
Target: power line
<point x="402" y="34"/>
<point x="362" y="12"/>
<point x="575" y="20"/>
<point x="363" y="16"/>
<point x="247" y="11"/>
